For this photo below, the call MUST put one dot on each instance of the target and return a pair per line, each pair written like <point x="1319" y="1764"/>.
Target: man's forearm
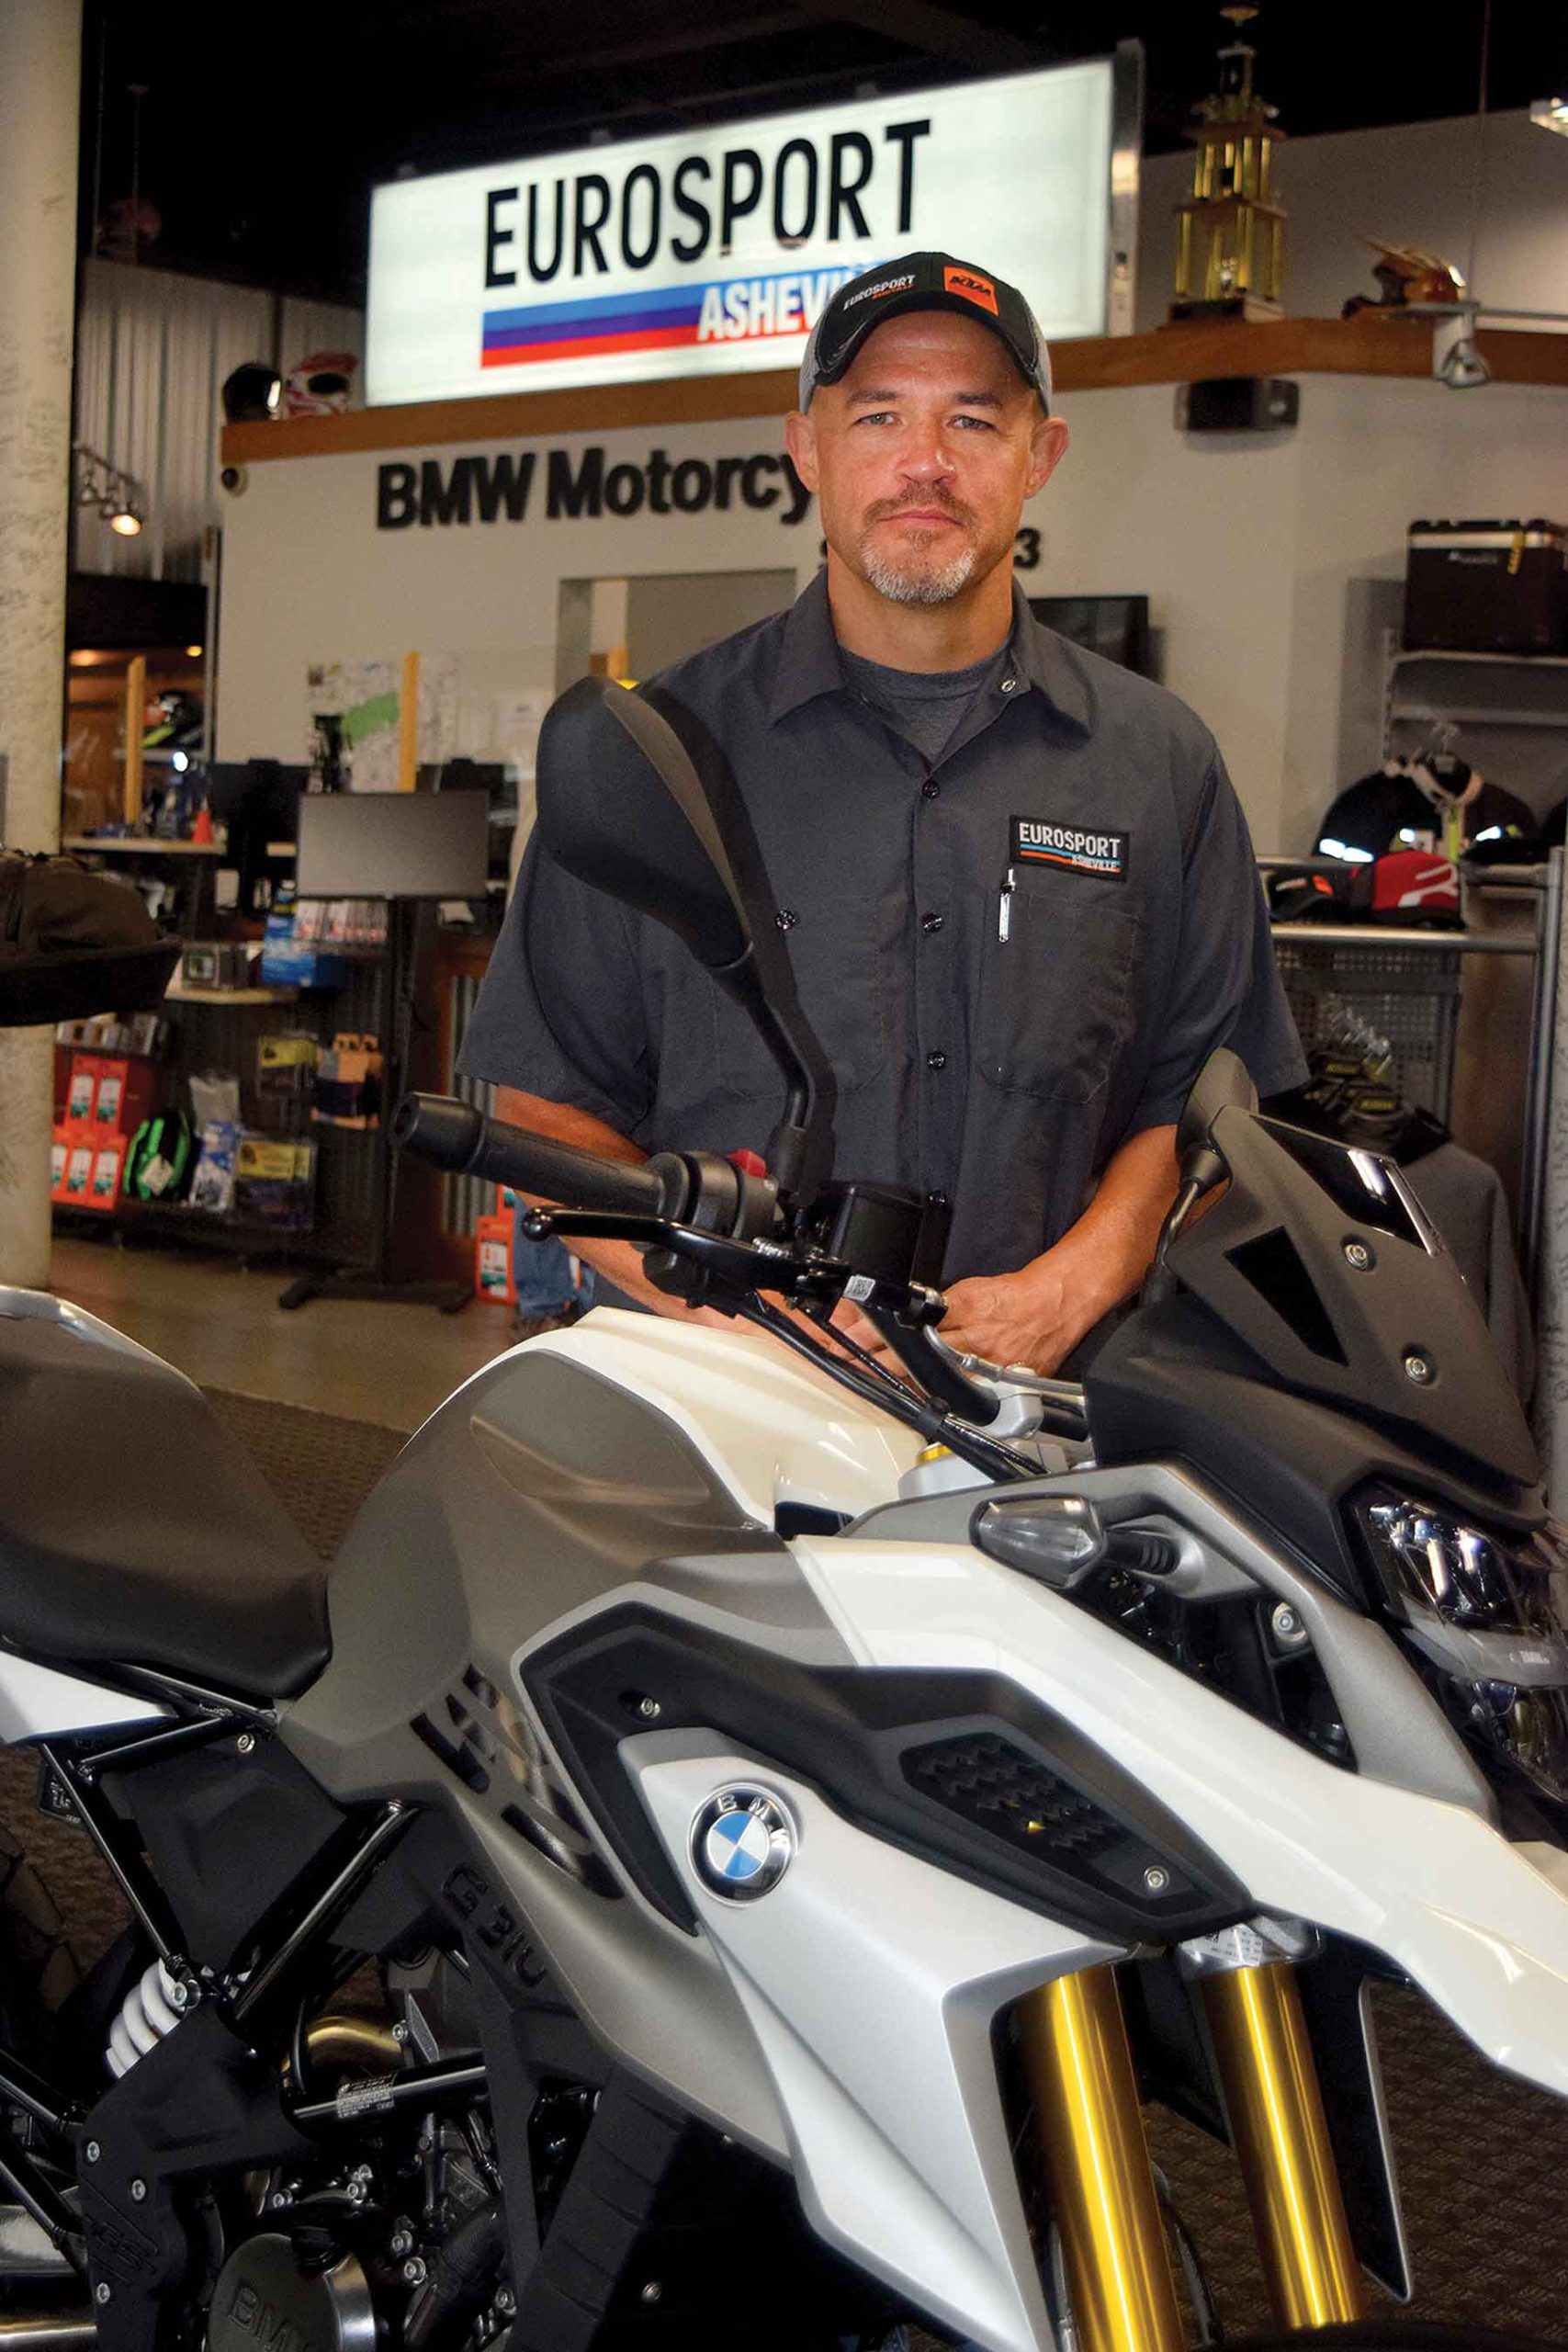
<point x="1104" y="1257"/>
<point x="618" y="1262"/>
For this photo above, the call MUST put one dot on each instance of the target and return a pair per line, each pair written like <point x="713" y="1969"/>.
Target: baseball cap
<point x="923" y="282"/>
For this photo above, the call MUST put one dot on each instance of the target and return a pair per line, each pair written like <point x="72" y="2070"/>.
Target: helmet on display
<point x="172" y="721"/>
<point x="321" y="384"/>
<point x="1407" y="804"/>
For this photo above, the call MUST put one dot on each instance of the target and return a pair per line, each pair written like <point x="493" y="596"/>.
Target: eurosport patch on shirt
<point x="1073" y="849"/>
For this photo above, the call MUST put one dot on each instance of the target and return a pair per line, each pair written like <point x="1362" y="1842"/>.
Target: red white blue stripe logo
<point x="660" y="318"/>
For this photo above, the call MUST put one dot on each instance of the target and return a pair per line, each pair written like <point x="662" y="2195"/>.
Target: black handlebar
<point x="704" y="1214"/>
<point x="454" y="1134"/>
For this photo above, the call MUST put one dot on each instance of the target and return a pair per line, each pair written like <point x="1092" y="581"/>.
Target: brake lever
<point x="1067" y="1393"/>
<point x="903" y="1313"/>
<point x="745" y="1265"/>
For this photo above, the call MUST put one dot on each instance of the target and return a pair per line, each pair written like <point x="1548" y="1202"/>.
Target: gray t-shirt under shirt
<point x="924" y="707"/>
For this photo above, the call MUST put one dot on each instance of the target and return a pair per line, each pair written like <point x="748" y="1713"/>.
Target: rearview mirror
<point x="623" y="808"/>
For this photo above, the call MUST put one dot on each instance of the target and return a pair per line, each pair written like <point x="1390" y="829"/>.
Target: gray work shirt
<point x="1015" y="958"/>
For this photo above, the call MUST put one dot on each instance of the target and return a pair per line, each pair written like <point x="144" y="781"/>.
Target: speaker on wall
<point x="1237" y="404"/>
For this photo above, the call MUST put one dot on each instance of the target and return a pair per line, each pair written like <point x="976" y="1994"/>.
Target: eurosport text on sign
<point x="713" y="251"/>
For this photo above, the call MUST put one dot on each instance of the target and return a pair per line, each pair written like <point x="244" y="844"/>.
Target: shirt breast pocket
<point x="840" y="980"/>
<point x="1060" y="991"/>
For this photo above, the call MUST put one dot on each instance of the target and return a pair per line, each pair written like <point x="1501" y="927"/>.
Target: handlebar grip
<point x="454" y="1134"/>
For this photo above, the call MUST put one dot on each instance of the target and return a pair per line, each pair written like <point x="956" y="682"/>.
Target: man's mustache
<point x="888" y="510"/>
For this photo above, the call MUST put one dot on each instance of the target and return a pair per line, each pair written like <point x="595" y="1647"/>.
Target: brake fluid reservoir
<point x="938" y="1471"/>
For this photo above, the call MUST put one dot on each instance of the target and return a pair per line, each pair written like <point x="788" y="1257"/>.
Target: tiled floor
<point x="223" y="1327"/>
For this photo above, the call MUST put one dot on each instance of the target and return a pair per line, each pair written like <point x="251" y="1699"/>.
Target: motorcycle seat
<point x="135" y="1531"/>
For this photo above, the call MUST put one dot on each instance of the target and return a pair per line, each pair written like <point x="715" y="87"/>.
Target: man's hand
<point x="1031" y="1317"/>
<point x="1038" y="1314"/>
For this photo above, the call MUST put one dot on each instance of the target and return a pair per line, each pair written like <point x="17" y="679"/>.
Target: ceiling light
<point x="194" y="651"/>
<point x="116" y="496"/>
<point x="1552" y="114"/>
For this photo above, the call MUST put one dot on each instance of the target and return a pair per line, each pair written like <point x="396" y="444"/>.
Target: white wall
<point x="307" y="577"/>
<point x="1253" y="550"/>
<point x="1413" y="184"/>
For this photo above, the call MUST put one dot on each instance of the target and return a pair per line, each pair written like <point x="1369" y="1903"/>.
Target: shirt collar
<point x="809" y="662"/>
<point x="1050" y="665"/>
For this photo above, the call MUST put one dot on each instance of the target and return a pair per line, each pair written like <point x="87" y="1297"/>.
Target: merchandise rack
<point x="1408" y="983"/>
<point x="1408" y="992"/>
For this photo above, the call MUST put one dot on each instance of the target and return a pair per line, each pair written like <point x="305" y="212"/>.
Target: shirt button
<point x="1009" y="685"/>
<point x="929" y="789"/>
<point x="936" y="1199"/>
<point x="936" y="1061"/>
<point x="932" y="923"/>
<point x="786" y="918"/>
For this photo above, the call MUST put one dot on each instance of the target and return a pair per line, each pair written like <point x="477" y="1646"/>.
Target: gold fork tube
<point x="1097" y="2160"/>
<point x="1281" y="2141"/>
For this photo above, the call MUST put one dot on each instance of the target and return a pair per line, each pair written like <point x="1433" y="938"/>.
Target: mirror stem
<point x="1159" y="1282"/>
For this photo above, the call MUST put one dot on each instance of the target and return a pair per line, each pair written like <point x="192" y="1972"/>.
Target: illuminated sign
<point x="709" y="252"/>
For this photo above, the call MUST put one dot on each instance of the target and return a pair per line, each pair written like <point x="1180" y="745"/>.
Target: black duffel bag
<point x="73" y="943"/>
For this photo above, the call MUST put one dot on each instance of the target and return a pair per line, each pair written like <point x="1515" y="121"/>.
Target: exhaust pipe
<point x="50" y="2332"/>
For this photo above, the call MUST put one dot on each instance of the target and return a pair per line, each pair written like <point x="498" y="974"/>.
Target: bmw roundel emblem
<point x="742" y="1843"/>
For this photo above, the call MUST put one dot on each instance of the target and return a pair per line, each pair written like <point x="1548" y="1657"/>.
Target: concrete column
<point x="40" y="79"/>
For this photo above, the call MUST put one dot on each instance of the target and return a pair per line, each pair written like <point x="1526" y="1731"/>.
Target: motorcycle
<point x="748" y="1823"/>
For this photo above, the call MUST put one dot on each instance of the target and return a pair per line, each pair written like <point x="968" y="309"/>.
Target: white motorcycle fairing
<point x="863" y="1951"/>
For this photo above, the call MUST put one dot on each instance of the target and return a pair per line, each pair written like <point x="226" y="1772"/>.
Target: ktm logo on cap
<point x="975" y="289"/>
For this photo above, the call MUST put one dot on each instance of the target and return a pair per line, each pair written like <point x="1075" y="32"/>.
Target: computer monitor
<point x="488" y="776"/>
<point x="262" y="794"/>
<point x="393" y="845"/>
<point x="1117" y="627"/>
<point x="256" y="800"/>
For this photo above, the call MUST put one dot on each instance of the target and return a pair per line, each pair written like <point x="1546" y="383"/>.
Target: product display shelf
<point x="1404" y="656"/>
<point x="1430" y="686"/>
<point x="189" y="874"/>
<point x="136" y="845"/>
<point x="177" y="994"/>
<point x="1407" y="984"/>
<point x="250" y="1238"/>
<point x="217" y="1029"/>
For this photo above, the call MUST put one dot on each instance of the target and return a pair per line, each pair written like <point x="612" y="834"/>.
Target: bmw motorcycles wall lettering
<point x="578" y="484"/>
<point x="734" y="1813"/>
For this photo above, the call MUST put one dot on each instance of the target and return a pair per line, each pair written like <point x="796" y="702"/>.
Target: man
<point x="1013" y="881"/>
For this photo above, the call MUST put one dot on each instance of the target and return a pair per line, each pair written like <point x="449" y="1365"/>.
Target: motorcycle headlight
<point x="1489" y="1611"/>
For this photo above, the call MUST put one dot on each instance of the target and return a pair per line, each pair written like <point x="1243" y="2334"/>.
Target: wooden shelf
<point x="1428" y="714"/>
<point x="1368" y="344"/>
<point x="1488" y="660"/>
<point x="139" y="846"/>
<point x="177" y="995"/>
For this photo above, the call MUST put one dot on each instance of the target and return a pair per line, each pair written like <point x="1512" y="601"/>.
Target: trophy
<point x="1229" y="228"/>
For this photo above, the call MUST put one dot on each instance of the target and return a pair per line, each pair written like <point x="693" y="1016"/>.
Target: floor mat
<point x="1482" y="2158"/>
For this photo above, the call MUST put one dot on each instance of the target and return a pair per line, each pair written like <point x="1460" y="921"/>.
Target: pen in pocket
<point x="1004" y="908"/>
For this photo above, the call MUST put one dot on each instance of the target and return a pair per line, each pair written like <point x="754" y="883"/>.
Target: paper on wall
<point x="518" y="719"/>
